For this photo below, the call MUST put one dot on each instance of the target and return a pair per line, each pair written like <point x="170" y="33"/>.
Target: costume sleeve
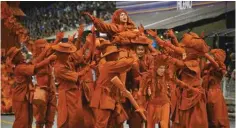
<point x="41" y="56"/>
<point x="181" y="83"/>
<point x="77" y="57"/>
<point x="150" y="61"/>
<point x="175" y="41"/>
<point x="26" y="69"/>
<point x="178" y="63"/>
<point x="121" y="66"/>
<point x="107" y="27"/>
<point x="66" y="74"/>
<point x="84" y="71"/>
<point x="211" y="59"/>
<point x="176" y="48"/>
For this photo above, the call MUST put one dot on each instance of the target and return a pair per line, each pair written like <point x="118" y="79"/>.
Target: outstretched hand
<point x="152" y="33"/>
<point x="89" y="15"/>
<point x="60" y="35"/>
<point x="141" y="28"/>
<point x="71" y="38"/>
<point x="169" y="33"/>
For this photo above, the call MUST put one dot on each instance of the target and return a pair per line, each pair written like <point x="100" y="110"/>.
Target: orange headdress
<point x="160" y="60"/>
<point x="194" y="44"/>
<point x="116" y="18"/>
<point x="11" y="53"/>
<point x="219" y="56"/>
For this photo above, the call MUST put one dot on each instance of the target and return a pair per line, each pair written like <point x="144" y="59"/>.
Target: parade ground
<point x="7" y="122"/>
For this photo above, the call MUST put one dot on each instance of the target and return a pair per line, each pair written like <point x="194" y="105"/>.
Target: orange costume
<point x="86" y="82"/>
<point x="190" y="111"/>
<point x="6" y="83"/>
<point x="213" y="74"/>
<point x="122" y="33"/>
<point x="44" y="114"/>
<point x="158" y="108"/>
<point x="175" y="51"/>
<point x="22" y="95"/>
<point x="146" y="67"/>
<point x="70" y="112"/>
<point x="103" y="100"/>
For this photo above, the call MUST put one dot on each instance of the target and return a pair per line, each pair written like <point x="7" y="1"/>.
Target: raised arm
<point x="184" y="85"/>
<point x="78" y="56"/>
<point x="45" y="61"/>
<point x="71" y="38"/>
<point x="163" y="43"/>
<point x="121" y="66"/>
<point x="41" y="56"/>
<point x="104" y="27"/>
<point x="31" y="69"/>
<point x="59" y="37"/>
<point x="178" y="63"/>
<point x="174" y="40"/>
<point x="78" y="41"/>
<point x="211" y="59"/>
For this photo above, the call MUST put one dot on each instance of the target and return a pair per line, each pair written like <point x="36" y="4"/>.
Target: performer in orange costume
<point x="190" y="111"/>
<point x="118" y="115"/>
<point x="175" y="51"/>
<point x="146" y="67"/>
<point x="44" y="114"/>
<point x="103" y="100"/>
<point x="213" y="74"/>
<point x="86" y="82"/>
<point x="122" y="32"/>
<point x="70" y="112"/>
<point x="158" y="108"/>
<point x="22" y="91"/>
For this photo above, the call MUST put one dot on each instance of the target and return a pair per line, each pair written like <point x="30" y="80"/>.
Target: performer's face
<point x="161" y="70"/>
<point x="140" y="51"/>
<point x="123" y="17"/>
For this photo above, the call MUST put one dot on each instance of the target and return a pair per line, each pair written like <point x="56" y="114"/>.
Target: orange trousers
<point x="88" y="116"/>
<point x="195" y="117"/>
<point x="135" y="120"/>
<point x="23" y="114"/>
<point x="101" y="117"/>
<point x="45" y="116"/>
<point x="217" y="111"/>
<point x="158" y="114"/>
<point x="117" y="117"/>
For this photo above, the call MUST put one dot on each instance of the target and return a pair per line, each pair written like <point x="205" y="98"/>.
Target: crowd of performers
<point x="106" y="82"/>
